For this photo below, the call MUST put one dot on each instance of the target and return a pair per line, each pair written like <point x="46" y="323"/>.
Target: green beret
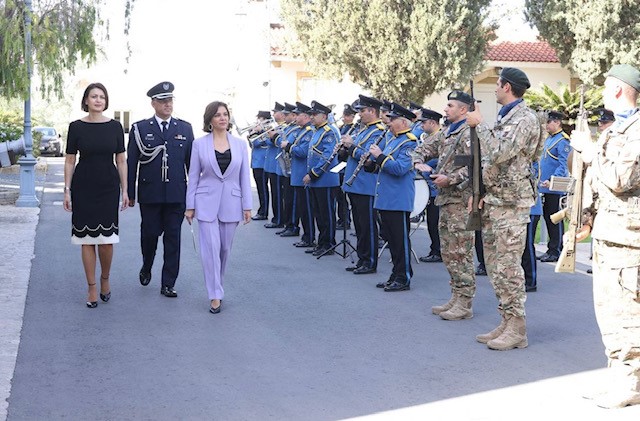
<point x="516" y="77"/>
<point x="626" y="73"/>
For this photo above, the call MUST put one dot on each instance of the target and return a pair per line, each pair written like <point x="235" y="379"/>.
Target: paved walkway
<point x="298" y="338"/>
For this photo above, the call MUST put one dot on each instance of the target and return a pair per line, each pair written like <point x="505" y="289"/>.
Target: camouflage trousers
<point x="616" y="297"/>
<point x="504" y="234"/>
<point x="456" y="245"/>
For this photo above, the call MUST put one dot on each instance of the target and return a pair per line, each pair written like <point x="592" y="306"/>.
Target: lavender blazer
<point x="212" y="194"/>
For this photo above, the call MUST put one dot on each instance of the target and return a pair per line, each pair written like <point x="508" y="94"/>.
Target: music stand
<point x="344" y="242"/>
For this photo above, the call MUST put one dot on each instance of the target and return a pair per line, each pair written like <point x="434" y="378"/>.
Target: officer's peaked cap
<point x="398" y="110"/>
<point x="318" y="108"/>
<point x="428" y="114"/>
<point x="161" y="91"/>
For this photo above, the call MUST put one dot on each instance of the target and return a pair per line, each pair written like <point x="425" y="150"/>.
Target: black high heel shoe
<point x="107" y="296"/>
<point x="215" y="310"/>
<point x="92" y="304"/>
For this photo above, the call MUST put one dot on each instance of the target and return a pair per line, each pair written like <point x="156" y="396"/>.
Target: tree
<point x="589" y="38"/>
<point x="564" y="100"/>
<point x="396" y="49"/>
<point x="64" y="33"/>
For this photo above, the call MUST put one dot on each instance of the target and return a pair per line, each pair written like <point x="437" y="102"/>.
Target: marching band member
<point x="416" y="127"/>
<point x="431" y="127"/>
<point x="323" y="183"/>
<point x="270" y="168"/>
<point x="348" y="128"/>
<point x="258" y="155"/>
<point x="291" y="228"/>
<point x="361" y="185"/>
<point x="454" y="191"/>
<point x="297" y="145"/>
<point x="395" y="191"/>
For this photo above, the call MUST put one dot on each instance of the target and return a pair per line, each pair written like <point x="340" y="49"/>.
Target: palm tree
<point x="565" y="101"/>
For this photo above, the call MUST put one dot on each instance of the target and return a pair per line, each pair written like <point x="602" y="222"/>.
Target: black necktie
<point x="164" y="126"/>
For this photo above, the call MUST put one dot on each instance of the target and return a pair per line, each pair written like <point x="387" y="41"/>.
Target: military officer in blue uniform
<point x="291" y="224"/>
<point x="553" y="162"/>
<point x="322" y="156"/>
<point x="270" y="169"/>
<point x="395" y="191"/>
<point x="158" y="158"/>
<point x="361" y="185"/>
<point x="297" y="146"/>
<point x="258" y="142"/>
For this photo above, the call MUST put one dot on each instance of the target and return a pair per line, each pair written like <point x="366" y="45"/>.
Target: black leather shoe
<point x="323" y="252"/>
<point x="432" y="258"/>
<point x="530" y="289"/>
<point x="216" y="310"/>
<point x="313" y="250"/>
<point x="385" y="284"/>
<point x="544" y="256"/>
<point x="590" y="271"/>
<point x="305" y="244"/>
<point x="549" y="258"/>
<point x="397" y="286"/>
<point x="168" y="292"/>
<point x="290" y="233"/>
<point x="145" y="277"/>
<point x="258" y="217"/>
<point x="340" y="226"/>
<point x="364" y="270"/>
<point x="352" y="268"/>
<point x="272" y="225"/>
<point x="481" y="270"/>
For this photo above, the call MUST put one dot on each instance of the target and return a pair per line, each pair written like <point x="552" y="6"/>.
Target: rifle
<point x="474" y="222"/>
<point x="573" y="205"/>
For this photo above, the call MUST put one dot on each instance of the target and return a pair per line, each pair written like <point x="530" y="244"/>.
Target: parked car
<point x="51" y="141"/>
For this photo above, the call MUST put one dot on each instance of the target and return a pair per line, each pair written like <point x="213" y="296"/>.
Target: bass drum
<point x="421" y="199"/>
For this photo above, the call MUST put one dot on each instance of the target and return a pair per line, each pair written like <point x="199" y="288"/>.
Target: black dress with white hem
<point x="95" y="185"/>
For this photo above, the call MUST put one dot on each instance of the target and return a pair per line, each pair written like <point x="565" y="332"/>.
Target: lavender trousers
<point x="216" y="239"/>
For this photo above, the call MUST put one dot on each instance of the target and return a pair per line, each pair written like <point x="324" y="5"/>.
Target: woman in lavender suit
<point x="218" y="195"/>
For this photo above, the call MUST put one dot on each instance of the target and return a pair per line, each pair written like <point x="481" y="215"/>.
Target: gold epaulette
<point x="326" y="128"/>
<point x="411" y="136"/>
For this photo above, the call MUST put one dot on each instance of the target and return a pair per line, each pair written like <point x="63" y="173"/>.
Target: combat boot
<point x="444" y="307"/>
<point x="514" y="335"/>
<point x="486" y="337"/>
<point x="461" y="309"/>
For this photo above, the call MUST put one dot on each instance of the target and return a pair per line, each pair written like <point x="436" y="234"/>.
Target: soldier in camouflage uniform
<point x="507" y="153"/>
<point x="453" y="194"/>
<point x="615" y="217"/>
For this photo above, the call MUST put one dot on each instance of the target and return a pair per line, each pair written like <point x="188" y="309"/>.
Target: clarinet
<point x="325" y="166"/>
<point x="363" y="159"/>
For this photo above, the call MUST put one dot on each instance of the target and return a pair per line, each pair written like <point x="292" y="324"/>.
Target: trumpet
<point x="271" y="126"/>
<point x="255" y="125"/>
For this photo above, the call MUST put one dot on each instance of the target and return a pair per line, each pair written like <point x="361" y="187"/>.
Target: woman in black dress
<point x="92" y="188"/>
